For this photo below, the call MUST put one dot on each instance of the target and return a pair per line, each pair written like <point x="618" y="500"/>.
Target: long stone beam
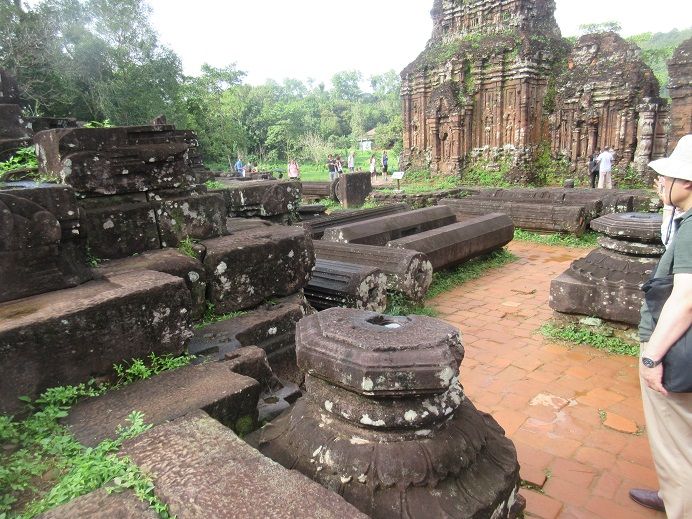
<point x="335" y="283"/>
<point x="408" y="272"/>
<point x="459" y="242"/>
<point x="379" y="231"/>
<point x="544" y="216"/>
<point x="317" y="226"/>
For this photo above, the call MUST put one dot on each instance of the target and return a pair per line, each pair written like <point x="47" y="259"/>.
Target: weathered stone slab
<point x="317" y="226"/>
<point x="119" y="160"/>
<point x="530" y="216"/>
<point x="319" y="190"/>
<point x="57" y="199"/>
<point x="99" y="504"/>
<point x="335" y="283"/>
<point x="14" y="133"/>
<point x="120" y="226"/>
<point x="261" y="198"/>
<point x="271" y="327"/>
<point x="352" y="189"/>
<point x="379" y="231"/>
<point x="202" y="469"/>
<point x="603" y="284"/>
<point x="188" y="214"/>
<point x="33" y="259"/>
<point x="640" y="227"/>
<point x="39" y="124"/>
<point x="213" y="387"/>
<point x="238" y="224"/>
<point x="171" y="262"/>
<point x="408" y="272"/>
<point x="453" y="244"/>
<point x="69" y="336"/>
<point x="246" y="268"/>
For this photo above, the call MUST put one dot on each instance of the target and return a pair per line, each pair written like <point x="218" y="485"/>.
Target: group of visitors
<point x="600" y="168"/>
<point x="385" y="165"/>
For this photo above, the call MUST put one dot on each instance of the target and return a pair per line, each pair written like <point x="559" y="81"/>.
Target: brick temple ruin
<point x="497" y="83"/>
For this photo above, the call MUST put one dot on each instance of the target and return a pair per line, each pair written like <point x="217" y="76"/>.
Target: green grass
<point x="187" y="247"/>
<point x="415" y="182"/>
<point x="586" y="241"/>
<point x="44" y="465"/>
<point x="210" y="316"/>
<point x="601" y="338"/>
<point x="448" y="280"/>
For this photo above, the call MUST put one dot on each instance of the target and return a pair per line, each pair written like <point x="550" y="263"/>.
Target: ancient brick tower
<point x="481" y="83"/>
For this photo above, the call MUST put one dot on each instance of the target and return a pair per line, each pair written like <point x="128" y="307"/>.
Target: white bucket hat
<point x="679" y="164"/>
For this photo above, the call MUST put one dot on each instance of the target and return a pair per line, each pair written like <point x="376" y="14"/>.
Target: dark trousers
<point x="594" y="179"/>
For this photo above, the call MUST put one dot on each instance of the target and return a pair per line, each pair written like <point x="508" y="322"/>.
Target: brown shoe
<point x="647" y="498"/>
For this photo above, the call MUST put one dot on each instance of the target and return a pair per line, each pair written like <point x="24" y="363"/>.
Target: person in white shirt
<point x="605" y="164"/>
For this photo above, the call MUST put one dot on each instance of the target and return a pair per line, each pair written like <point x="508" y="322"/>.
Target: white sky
<point x="304" y="39"/>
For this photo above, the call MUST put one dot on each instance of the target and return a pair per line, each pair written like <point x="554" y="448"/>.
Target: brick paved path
<point x="573" y="414"/>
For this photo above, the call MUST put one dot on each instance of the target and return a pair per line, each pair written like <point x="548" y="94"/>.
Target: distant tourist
<point x="351" y="161"/>
<point x="373" y="167"/>
<point x="339" y="166"/>
<point x="605" y="164"/>
<point x="593" y="168"/>
<point x="385" y="164"/>
<point x="240" y="167"/>
<point x="331" y="167"/>
<point x="293" y="170"/>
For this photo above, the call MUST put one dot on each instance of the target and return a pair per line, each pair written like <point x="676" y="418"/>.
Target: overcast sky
<point x="276" y="39"/>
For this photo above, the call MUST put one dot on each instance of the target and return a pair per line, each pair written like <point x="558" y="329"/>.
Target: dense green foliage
<point x="101" y="60"/>
<point x="42" y="464"/>
<point x="657" y="49"/>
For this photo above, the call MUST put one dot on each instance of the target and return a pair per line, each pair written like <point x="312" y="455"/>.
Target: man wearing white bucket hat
<point x="669" y="414"/>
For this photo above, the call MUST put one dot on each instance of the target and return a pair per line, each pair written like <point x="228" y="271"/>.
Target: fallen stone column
<point x="543" y="216"/>
<point x="408" y="272"/>
<point x="379" y="231"/>
<point x="335" y="283"/>
<point x="69" y="336"/>
<point x="245" y="269"/>
<point x="316" y="226"/>
<point x="459" y="242"/>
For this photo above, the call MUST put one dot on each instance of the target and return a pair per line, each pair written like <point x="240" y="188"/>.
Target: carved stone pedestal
<point x="385" y="422"/>
<point x="607" y="282"/>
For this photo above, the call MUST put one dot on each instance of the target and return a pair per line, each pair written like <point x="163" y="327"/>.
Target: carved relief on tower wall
<point x="607" y="97"/>
<point x="680" y="89"/>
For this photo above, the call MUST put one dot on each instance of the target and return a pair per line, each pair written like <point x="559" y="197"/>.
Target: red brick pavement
<point x="574" y="414"/>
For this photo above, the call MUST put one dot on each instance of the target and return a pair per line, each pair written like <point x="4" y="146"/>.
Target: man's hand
<point x="653" y="377"/>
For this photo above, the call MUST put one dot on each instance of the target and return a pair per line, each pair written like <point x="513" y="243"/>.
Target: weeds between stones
<point x="43" y="466"/>
<point x="586" y="241"/>
<point x="601" y="339"/>
<point x="447" y="280"/>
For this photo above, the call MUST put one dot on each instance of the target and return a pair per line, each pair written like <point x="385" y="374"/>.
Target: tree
<point x="346" y="85"/>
